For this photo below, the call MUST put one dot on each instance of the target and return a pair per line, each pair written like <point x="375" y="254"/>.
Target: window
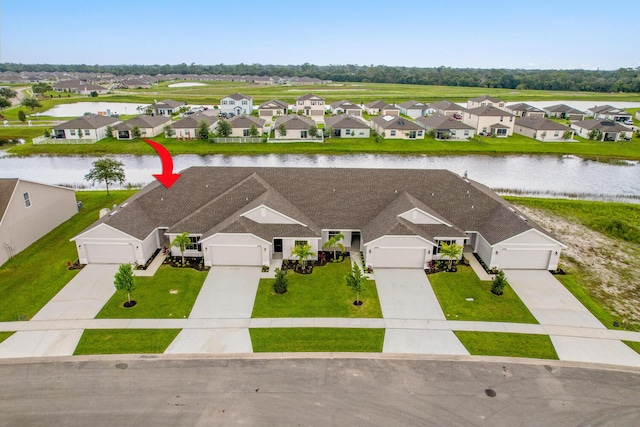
<point x="245" y="132"/>
<point x="420" y="133"/>
<point x="333" y="233"/>
<point x="300" y="243"/>
<point x="466" y="133"/>
<point x="510" y="119"/>
<point x="195" y="244"/>
<point x="244" y="102"/>
<point x="393" y="133"/>
<point x="313" y="102"/>
<point x="484" y="130"/>
<point x="501" y="118"/>
<point x="72" y="132"/>
<point x="556" y="133"/>
<point x="87" y="132"/>
<point x="440" y="242"/>
<point x="347" y="131"/>
<point x="501" y="104"/>
<point x="27" y="200"/>
<point x="501" y="132"/>
<point x="143" y="131"/>
<point x="303" y="134"/>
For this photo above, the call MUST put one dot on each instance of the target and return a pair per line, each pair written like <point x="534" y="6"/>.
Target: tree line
<point x="621" y="80"/>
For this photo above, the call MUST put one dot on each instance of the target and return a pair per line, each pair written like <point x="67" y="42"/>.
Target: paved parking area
<point x="406" y="294"/>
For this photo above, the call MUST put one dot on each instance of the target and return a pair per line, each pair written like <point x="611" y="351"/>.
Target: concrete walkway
<point x="476" y="267"/>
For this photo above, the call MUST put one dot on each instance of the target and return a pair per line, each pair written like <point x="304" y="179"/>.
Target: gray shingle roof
<point x="395" y="122"/>
<point x="244" y="122"/>
<point x="345" y="121"/>
<point x="88" y="121"/>
<point x="485" y="98"/>
<point x="273" y="104"/>
<point x="413" y="104"/>
<point x="446" y="105"/>
<point x="488" y="111"/>
<point x="167" y="103"/>
<point x="238" y="96"/>
<point x="309" y="96"/>
<point x="191" y="121"/>
<point x="294" y="122"/>
<point x="439" y="121"/>
<point x="524" y="107"/>
<point x="7" y="186"/>
<point x="562" y="108"/>
<point x="345" y="105"/>
<point x="377" y="104"/>
<point x="601" y="125"/>
<point x="540" y="123"/>
<point x="608" y="109"/>
<point x="143" y="122"/>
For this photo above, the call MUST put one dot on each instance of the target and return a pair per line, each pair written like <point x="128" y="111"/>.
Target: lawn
<point x="452" y="289"/>
<point x="634" y="345"/>
<point x="30" y="279"/>
<point x="5" y="335"/>
<point x="277" y="340"/>
<point x="323" y="293"/>
<point x="509" y="345"/>
<point x="155" y="298"/>
<point x="125" y="341"/>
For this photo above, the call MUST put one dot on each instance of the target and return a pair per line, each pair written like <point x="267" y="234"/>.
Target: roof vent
<point x="472" y="206"/>
<point x="162" y="199"/>
<point x="432" y="194"/>
<point x="395" y="191"/>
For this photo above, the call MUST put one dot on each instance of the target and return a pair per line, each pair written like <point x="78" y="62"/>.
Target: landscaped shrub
<point x="499" y="282"/>
<point x="280" y="285"/>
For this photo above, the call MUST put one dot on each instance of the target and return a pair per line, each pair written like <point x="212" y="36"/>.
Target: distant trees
<point x="5" y="92"/>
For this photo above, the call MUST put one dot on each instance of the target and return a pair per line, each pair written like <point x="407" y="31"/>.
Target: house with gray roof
<point x="485" y="101"/>
<point x="446" y="127"/>
<point x="241" y="125"/>
<point x="415" y="109"/>
<point x="147" y="125"/>
<point x="607" y="112"/>
<point x="89" y="126"/>
<point x="296" y="127"/>
<point x="397" y="218"/>
<point x="562" y="111"/>
<point x="347" y="126"/>
<point x="166" y="107"/>
<point x="345" y="107"/>
<point x="311" y="106"/>
<point x="602" y="130"/>
<point x="187" y="128"/>
<point x="489" y="120"/>
<point x="524" y="110"/>
<point x="237" y="104"/>
<point x="396" y="127"/>
<point x="542" y="129"/>
<point x="382" y="108"/>
<point x="447" y="108"/>
<point x="273" y="108"/>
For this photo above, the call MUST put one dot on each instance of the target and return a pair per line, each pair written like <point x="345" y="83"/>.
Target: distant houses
<point x="89" y="126"/>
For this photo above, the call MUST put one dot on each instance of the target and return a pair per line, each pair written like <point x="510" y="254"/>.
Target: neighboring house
<point x="637" y="115"/>
<point x="79" y="86"/>
<point x="297" y="127"/>
<point x="524" y="110"/>
<point x="345" y="107"/>
<point x="237" y="104"/>
<point x="28" y="211"/>
<point x="447" y="108"/>
<point x="485" y="101"/>
<point x="135" y="84"/>
<point x="602" y="130"/>
<point x="241" y="125"/>
<point x="87" y="89"/>
<point x="311" y="106"/>
<point x="381" y="108"/>
<point x="562" y="111"/>
<point x="542" y="129"/>
<point x="489" y="121"/>
<point x="415" y="109"/>
<point x="187" y="128"/>
<point x="149" y="126"/>
<point x="607" y="112"/>
<point x="396" y="127"/>
<point x="347" y="126"/>
<point x="166" y="107"/>
<point x="446" y="127"/>
<point x="273" y="108"/>
<point x="248" y="216"/>
<point x="89" y="126"/>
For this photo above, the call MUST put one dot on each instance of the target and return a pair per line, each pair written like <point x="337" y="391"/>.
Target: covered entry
<point x="236" y="255"/>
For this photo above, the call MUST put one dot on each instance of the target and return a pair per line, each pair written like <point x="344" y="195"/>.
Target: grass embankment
<point x="323" y="293"/>
<point x="125" y="341"/>
<point x="169" y="294"/>
<point x="508" y="345"/>
<point x="30" y="279"/>
<point x="275" y="340"/>
<point x="453" y="289"/>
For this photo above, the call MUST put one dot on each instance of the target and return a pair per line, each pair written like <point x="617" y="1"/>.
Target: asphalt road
<point x="312" y="392"/>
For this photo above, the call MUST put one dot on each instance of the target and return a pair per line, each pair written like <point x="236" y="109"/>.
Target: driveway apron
<point x="406" y="294"/>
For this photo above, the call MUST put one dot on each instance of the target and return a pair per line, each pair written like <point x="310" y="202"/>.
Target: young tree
<point x="499" y="282"/>
<point x="303" y="252"/>
<point x="313" y="131"/>
<point x="223" y="128"/>
<point x="253" y="131"/>
<point x="79" y="131"/>
<point x="203" y="129"/>
<point x="108" y="170"/>
<point x="168" y="131"/>
<point x="93" y="94"/>
<point x="109" y="130"/>
<point x="5" y="92"/>
<point x="282" y="129"/>
<point x="4" y="103"/>
<point x="30" y="103"/>
<point x="280" y="285"/>
<point x="566" y="134"/>
<point x="356" y="281"/>
<point x="452" y="251"/>
<point x="182" y="241"/>
<point x="22" y="116"/>
<point x="136" y="132"/>
<point x="47" y="134"/>
<point x="335" y="242"/>
<point x="125" y="281"/>
<point x="327" y="131"/>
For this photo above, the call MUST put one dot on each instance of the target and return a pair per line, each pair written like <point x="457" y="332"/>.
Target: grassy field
<point x="31" y="278"/>
<point x="170" y="293"/>
<point x="125" y="341"/>
<point x="323" y="293"/>
<point x="276" y="340"/>
<point x="506" y="344"/>
<point x="5" y="335"/>
<point x="452" y="289"/>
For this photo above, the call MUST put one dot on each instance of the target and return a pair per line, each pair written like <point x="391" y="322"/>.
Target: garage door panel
<point x="236" y="255"/>
<point x="110" y="254"/>
<point x="529" y="259"/>
<point x="399" y="257"/>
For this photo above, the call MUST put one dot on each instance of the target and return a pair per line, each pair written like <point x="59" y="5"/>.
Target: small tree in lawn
<point x="303" y="252"/>
<point x="22" y="116"/>
<point x="253" y="131"/>
<point x="5" y="92"/>
<point x="182" y="241"/>
<point x="108" y="170"/>
<point x="282" y="129"/>
<point x="203" y="129"/>
<point x="327" y="131"/>
<point x="47" y="134"/>
<point x="356" y="281"/>
<point x="280" y="285"/>
<point x="335" y="242"/>
<point x="452" y="251"/>
<point x="566" y="134"/>
<point x="136" y="132"/>
<point x="125" y="281"/>
<point x="32" y="103"/>
<point x="4" y="103"/>
<point x="109" y="131"/>
<point x="313" y="131"/>
<point x="168" y="131"/>
<point x="499" y="282"/>
<point x="223" y="128"/>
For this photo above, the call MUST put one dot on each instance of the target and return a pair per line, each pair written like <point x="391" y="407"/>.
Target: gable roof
<point x="562" y="108"/>
<point x="294" y="122"/>
<point x="170" y="103"/>
<point x="309" y="96"/>
<point x="488" y="111"/>
<point x="540" y="123"/>
<point x="7" y="187"/>
<point x="244" y="122"/>
<point x="191" y="121"/>
<point x="446" y="105"/>
<point x="521" y="106"/>
<point x="378" y="104"/>
<point x="602" y="109"/>
<point x="345" y="121"/>
<point x="395" y="122"/>
<point x="345" y="105"/>
<point x="238" y="96"/>
<point x="413" y="104"/>
<point x="485" y="98"/>
<point x="143" y="121"/>
<point x="88" y="121"/>
<point x="601" y="125"/>
<point x="439" y="121"/>
<point x="273" y="104"/>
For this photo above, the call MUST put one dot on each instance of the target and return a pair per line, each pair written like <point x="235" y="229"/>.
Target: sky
<point x="542" y="34"/>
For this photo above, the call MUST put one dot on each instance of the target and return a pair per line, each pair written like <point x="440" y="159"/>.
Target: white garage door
<point x="236" y="255"/>
<point x="524" y="259"/>
<point x="399" y="257"/>
<point x="110" y="254"/>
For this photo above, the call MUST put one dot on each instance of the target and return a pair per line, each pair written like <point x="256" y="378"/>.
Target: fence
<point x="41" y="140"/>
<point x="288" y="140"/>
<point x="238" y="139"/>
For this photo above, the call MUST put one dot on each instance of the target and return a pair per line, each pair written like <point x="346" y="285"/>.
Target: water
<point x="77" y="109"/>
<point x="536" y="175"/>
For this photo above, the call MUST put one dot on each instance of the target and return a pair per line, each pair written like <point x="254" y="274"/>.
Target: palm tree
<point x="303" y="252"/>
<point x="452" y="251"/>
<point x="182" y="241"/>
<point x="333" y="242"/>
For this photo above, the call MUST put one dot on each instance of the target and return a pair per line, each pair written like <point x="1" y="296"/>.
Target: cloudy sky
<point x="543" y="34"/>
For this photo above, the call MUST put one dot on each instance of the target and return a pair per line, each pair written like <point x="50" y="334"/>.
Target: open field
<point x="276" y="340"/>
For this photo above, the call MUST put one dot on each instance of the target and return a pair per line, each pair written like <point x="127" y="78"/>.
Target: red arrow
<point x="167" y="177"/>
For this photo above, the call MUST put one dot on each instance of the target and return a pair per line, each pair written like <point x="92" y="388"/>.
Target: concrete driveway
<point x="211" y="341"/>
<point x="406" y="294"/>
<point x="40" y="343"/>
<point x="548" y="300"/>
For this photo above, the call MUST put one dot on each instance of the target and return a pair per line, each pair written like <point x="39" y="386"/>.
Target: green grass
<point x="452" y="289"/>
<point x="506" y="344"/>
<point x="125" y="341"/>
<point x="277" y="340"/>
<point x="154" y="301"/>
<point x="634" y="345"/>
<point x="5" y="335"/>
<point x="30" y="279"/>
<point x="321" y="294"/>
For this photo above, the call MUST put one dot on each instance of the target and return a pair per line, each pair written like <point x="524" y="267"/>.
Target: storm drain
<point x="490" y="392"/>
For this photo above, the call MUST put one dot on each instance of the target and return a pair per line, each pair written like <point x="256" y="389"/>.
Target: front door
<point x="277" y="245"/>
<point x="355" y="239"/>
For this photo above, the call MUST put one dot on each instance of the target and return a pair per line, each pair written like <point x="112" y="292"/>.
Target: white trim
<point x="414" y="236"/>
<point x="527" y="231"/>
<point x="233" y="234"/>
<point x="73" y="239"/>
<point x="274" y="211"/>
<point x="425" y="213"/>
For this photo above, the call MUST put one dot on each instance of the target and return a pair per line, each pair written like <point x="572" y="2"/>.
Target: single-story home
<point x="524" y="110"/>
<point x="273" y="108"/>
<point x="79" y="86"/>
<point x="345" y="107"/>
<point x="396" y="127"/>
<point x="415" y="109"/>
<point x="241" y="125"/>
<point x="485" y="101"/>
<point x="601" y="130"/>
<point x="489" y="121"/>
<point x="542" y="129"/>
<point x="447" y="108"/>
<point x="28" y="211"/>
<point x="148" y="125"/>
<point x="248" y="216"/>
<point x="89" y="126"/>
<point x="135" y="84"/>
<point x="166" y="107"/>
<point x="380" y="107"/>
<point x="295" y="125"/>
<point x="446" y="127"/>
<point x="607" y="112"/>
<point x="237" y="104"/>
<point x="311" y="106"/>
<point x="187" y="128"/>
<point x="562" y="111"/>
<point x="347" y="126"/>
